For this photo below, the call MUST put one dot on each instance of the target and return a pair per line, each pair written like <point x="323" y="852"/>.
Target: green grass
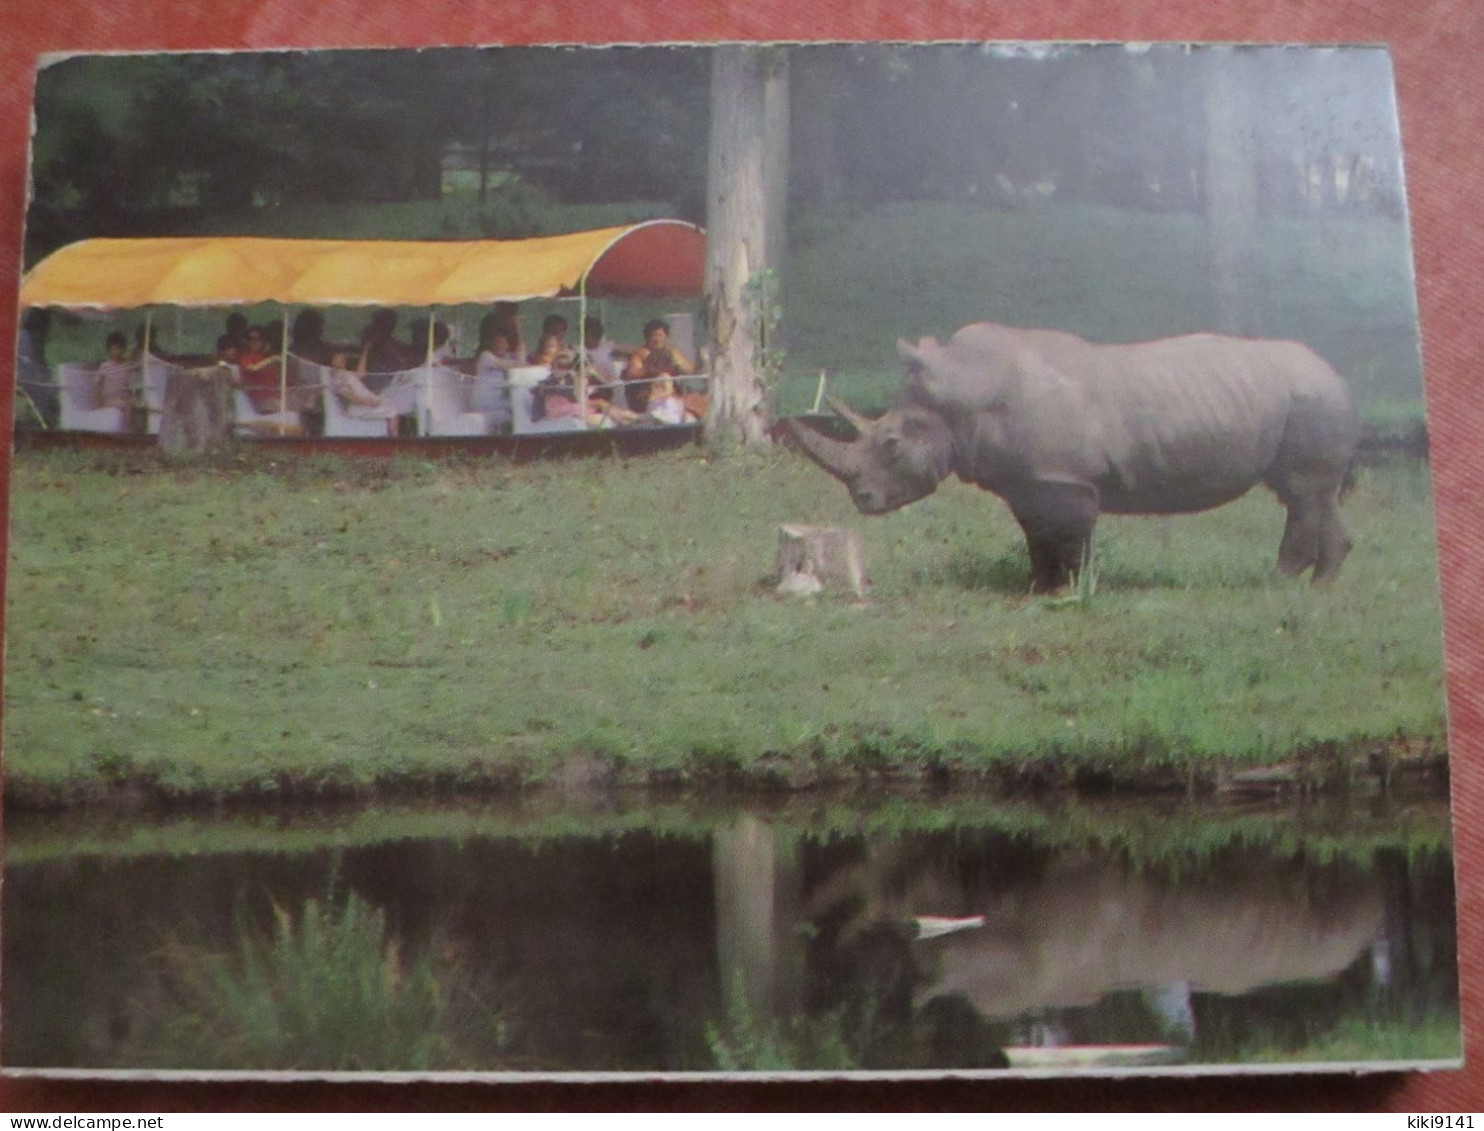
<point x="302" y="626"/>
<point x="1436" y="1037"/>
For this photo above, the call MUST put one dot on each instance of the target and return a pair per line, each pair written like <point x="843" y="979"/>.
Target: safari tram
<point x="304" y="394"/>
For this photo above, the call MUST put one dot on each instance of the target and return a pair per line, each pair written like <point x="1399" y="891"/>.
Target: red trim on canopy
<point x="663" y="258"/>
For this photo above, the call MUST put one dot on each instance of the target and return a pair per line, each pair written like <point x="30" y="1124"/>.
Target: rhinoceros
<point x="1063" y="429"/>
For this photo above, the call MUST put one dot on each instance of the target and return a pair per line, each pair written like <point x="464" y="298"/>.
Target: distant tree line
<point x="130" y="145"/>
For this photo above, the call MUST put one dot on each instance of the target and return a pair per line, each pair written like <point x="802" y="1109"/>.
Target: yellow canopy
<point x="660" y="257"/>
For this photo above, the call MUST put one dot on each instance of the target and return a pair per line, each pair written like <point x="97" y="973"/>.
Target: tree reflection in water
<point x="753" y="944"/>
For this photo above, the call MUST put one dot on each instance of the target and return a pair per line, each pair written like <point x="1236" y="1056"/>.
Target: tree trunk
<point x="759" y="889"/>
<point x="486" y="118"/>
<point x="775" y="161"/>
<point x="748" y="93"/>
<point x="1231" y="189"/>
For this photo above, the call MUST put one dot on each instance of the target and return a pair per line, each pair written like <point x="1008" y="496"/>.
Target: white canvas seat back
<point x="444" y="408"/>
<point x="77" y="411"/>
<point x="249" y="421"/>
<point x="490" y="392"/>
<point x="338" y="419"/>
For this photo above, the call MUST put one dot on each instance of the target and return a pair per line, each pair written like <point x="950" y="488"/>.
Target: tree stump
<point x="812" y="558"/>
<point x="197" y="416"/>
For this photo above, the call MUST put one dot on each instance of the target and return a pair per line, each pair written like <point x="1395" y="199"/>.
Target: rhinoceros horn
<point x="859" y="422"/>
<point x="842" y="460"/>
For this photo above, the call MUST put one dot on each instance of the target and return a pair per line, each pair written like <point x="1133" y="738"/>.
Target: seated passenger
<point x="506" y="317"/>
<point x="307" y="338"/>
<point x="381" y="352"/>
<point x="260" y="374"/>
<point x="551" y="352"/>
<point x="555" y="324"/>
<point x="491" y="380"/>
<point x="497" y="351"/>
<point x="553" y="349"/>
<point x="556" y="398"/>
<point x="442" y="348"/>
<point x="258" y="368"/>
<point x="654" y="359"/>
<point x="397" y="399"/>
<point x="605" y="359"/>
<point x="237" y="329"/>
<point x="665" y="405"/>
<point x="116" y="375"/>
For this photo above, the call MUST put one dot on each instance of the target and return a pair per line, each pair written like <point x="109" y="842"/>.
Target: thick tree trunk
<point x="747" y="169"/>
<point x="1231" y="189"/>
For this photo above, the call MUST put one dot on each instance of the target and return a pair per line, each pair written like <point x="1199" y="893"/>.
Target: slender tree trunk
<point x="748" y="92"/>
<point x="486" y="117"/>
<point x="814" y="91"/>
<point x="775" y="160"/>
<point x="1231" y="188"/>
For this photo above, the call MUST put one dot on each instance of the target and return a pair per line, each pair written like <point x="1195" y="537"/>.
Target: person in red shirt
<point x="258" y="367"/>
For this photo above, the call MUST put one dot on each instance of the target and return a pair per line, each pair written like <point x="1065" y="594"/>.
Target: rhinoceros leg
<point x="1057" y="519"/>
<point x="1300" y="546"/>
<point x="1334" y="543"/>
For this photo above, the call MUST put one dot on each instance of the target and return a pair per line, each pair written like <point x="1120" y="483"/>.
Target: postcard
<point x="711" y="561"/>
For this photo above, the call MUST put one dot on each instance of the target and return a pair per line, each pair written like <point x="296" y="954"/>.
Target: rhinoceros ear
<point x="918" y="354"/>
<point x="907" y="350"/>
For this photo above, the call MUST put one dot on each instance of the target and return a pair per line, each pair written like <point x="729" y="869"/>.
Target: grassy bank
<point x="1147" y="833"/>
<point x="308" y="628"/>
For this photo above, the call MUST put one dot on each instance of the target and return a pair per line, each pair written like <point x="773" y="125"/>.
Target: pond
<point x="652" y="935"/>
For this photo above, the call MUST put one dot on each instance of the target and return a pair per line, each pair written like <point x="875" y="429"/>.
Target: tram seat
<point x="77" y="411"/>
<point x="443" y="406"/>
<point x="338" y="422"/>
<point x="250" y="422"/>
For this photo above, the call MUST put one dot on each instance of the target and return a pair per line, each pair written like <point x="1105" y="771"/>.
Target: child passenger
<point x="665" y="405"/>
<point x="114" y="380"/>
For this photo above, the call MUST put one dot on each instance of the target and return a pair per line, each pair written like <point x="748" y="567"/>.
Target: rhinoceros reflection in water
<point x="1082" y="931"/>
<point x="1079" y="936"/>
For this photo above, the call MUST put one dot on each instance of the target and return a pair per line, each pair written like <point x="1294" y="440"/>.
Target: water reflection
<point x="741" y="941"/>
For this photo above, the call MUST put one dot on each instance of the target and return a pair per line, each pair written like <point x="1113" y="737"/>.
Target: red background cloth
<point x="1436" y="52"/>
